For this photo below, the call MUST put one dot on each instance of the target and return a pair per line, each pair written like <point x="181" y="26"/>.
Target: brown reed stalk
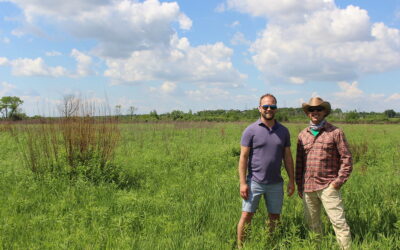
<point x="80" y="139"/>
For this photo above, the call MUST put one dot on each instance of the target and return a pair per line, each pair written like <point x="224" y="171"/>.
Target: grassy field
<point x="185" y="195"/>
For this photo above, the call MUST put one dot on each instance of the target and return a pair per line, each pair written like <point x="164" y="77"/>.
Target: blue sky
<point x="197" y="55"/>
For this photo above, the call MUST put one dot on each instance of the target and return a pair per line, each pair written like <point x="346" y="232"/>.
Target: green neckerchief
<point x="314" y="132"/>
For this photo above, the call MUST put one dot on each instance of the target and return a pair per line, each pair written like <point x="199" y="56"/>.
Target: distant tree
<point x="118" y="110"/>
<point x="177" y="115"/>
<point x="131" y="111"/>
<point x="9" y="106"/>
<point x="351" y="116"/>
<point x="390" y="113"/>
<point x="69" y="106"/>
<point x="154" y="114"/>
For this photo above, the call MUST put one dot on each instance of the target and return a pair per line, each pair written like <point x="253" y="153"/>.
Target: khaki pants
<point x="331" y="199"/>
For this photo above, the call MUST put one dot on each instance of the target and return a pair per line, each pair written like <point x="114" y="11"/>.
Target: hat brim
<point x="325" y="105"/>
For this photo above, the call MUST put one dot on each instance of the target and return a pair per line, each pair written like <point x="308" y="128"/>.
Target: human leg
<point x="312" y="211"/>
<point x="274" y="201"/>
<point x="249" y="207"/>
<point x="333" y="204"/>
<point x="242" y="227"/>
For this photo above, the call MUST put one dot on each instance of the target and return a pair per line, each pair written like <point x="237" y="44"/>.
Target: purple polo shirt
<point x="266" y="153"/>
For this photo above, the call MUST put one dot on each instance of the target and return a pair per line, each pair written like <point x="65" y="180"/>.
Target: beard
<point x="269" y="116"/>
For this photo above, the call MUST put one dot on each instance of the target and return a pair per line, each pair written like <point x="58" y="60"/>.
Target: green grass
<point x="186" y="195"/>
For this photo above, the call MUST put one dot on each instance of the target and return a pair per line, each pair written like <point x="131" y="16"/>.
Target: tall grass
<point x="79" y="144"/>
<point x="186" y="195"/>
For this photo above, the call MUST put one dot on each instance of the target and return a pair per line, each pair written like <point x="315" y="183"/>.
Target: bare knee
<point x="246" y="217"/>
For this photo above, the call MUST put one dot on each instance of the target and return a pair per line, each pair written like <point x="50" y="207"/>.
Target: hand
<point x="300" y="194"/>
<point x="335" y="185"/>
<point x="244" y="191"/>
<point x="290" y="188"/>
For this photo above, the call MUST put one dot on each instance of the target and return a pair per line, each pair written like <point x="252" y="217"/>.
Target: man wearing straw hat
<point x="323" y="165"/>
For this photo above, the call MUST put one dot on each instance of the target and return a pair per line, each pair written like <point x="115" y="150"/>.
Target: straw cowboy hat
<point x="317" y="101"/>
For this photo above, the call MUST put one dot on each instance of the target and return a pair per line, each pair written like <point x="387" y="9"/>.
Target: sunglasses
<point x="318" y="109"/>
<point x="273" y="107"/>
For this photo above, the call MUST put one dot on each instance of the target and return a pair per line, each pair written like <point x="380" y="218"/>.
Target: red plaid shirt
<point x="322" y="159"/>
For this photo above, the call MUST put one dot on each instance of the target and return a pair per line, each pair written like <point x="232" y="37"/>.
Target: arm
<point x="288" y="160"/>
<point x="244" y="157"/>
<point x="346" y="165"/>
<point x="299" y="168"/>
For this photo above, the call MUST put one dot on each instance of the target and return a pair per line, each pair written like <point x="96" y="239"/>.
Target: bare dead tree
<point x="131" y="111"/>
<point x="69" y="106"/>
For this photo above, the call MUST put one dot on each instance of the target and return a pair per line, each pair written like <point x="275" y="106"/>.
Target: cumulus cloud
<point x="84" y="63"/>
<point x="120" y="27"/>
<point x="38" y="67"/>
<point x="35" y="67"/>
<point x="182" y="62"/>
<point x="349" y="90"/>
<point x="136" y="40"/>
<point x="314" y="40"/>
<point x="165" y="88"/>
<point x="168" y="87"/>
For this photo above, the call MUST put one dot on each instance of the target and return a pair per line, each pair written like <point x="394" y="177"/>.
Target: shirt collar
<point x="275" y="127"/>
<point x="327" y="126"/>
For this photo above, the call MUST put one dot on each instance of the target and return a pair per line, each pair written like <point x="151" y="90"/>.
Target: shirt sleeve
<point x="346" y="164"/>
<point x="299" y="165"/>
<point x="287" y="142"/>
<point x="247" y="137"/>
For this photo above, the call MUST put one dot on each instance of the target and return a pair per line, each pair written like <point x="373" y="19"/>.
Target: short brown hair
<point x="268" y="95"/>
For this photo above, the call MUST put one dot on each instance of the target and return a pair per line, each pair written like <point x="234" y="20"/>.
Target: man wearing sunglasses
<point x="264" y="145"/>
<point x="323" y="165"/>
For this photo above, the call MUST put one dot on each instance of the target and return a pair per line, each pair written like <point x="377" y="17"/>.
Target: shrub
<point x="82" y="145"/>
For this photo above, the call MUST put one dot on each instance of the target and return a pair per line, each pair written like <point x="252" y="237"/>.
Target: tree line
<point x="283" y="115"/>
<point x="10" y="110"/>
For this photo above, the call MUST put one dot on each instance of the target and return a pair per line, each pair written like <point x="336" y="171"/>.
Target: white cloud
<point x="6" y="88"/>
<point x="349" y="90"/>
<point x="393" y="97"/>
<point x="182" y="62"/>
<point x="239" y="39"/>
<point x="314" y="40"/>
<point x="120" y="27"/>
<point x="315" y="94"/>
<point x="296" y="80"/>
<point x="3" y="61"/>
<point x="278" y="10"/>
<point x="165" y="88"/>
<point x="184" y="22"/>
<point x="18" y="32"/>
<point x="168" y="87"/>
<point x="208" y="94"/>
<point x="38" y="67"/>
<point x="136" y="40"/>
<point x="5" y="40"/>
<point x="84" y="63"/>
<point x="35" y="67"/>
<point x="220" y="8"/>
<point x="377" y="96"/>
<point x="53" y="53"/>
<point x="235" y="24"/>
